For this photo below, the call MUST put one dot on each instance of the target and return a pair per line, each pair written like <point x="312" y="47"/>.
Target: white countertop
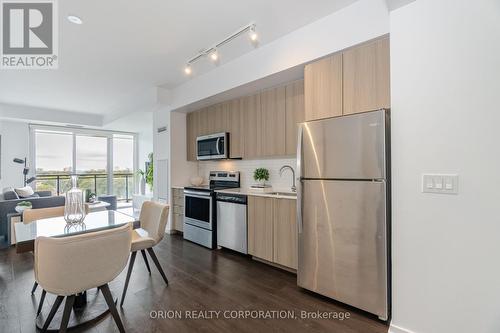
<point x="247" y="191"/>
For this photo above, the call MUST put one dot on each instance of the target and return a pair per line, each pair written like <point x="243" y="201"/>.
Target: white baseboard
<point x="397" y="329"/>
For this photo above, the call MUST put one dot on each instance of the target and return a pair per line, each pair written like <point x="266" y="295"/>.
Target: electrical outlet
<point x="440" y="183"/>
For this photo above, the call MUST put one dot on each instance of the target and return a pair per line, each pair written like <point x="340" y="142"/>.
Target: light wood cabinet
<point x="323" y="88"/>
<point x="273" y="121"/>
<point x="235" y="127"/>
<point x="260" y="227"/>
<point x="251" y="109"/>
<point x="285" y="237"/>
<point x="367" y="77"/>
<point x="177" y="209"/>
<point x="295" y="114"/>
<point x="192" y="130"/>
<point x="203" y="121"/>
<point x="272" y="232"/>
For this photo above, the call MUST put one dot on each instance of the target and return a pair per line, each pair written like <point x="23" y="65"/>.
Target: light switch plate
<point x="440" y="183"/>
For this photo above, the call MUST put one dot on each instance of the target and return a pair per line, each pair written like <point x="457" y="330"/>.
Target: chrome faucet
<point x="283" y="168"/>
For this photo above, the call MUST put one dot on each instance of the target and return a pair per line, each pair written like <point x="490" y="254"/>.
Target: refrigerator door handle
<point x="299" y="178"/>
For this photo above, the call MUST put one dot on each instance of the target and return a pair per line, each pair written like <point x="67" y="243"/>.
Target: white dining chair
<point x="153" y="219"/>
<point x="66" y="266"/>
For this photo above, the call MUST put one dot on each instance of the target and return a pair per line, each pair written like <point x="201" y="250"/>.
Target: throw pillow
<point x="9" y="194"/>
<point x="24" y="192"/>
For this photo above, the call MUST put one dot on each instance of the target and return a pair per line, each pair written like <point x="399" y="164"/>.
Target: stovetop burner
<point x="219" y="180"/>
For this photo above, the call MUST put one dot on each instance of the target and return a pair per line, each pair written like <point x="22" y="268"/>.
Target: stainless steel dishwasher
<point x="232" y="221"/>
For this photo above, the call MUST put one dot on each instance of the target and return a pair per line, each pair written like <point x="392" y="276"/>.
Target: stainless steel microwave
<point x="213" y="146"/>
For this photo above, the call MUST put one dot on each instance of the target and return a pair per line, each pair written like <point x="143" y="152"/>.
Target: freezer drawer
<point x="349" y="147"/>
<point x="343" y="243"/>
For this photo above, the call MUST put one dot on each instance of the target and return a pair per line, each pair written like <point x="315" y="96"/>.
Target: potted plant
<point x="23" y="205"/>
<point x="261" y="175"/>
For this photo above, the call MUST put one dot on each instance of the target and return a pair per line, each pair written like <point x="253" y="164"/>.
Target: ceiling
<point x="124" y="49"/>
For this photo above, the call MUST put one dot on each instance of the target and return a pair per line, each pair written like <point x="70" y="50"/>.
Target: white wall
<point x="247" y="167"/>
<point x="359" y="22"/>
<point x="181" y="169"/>
<point x="15" y="143"/>
<point x="445" y="65"/>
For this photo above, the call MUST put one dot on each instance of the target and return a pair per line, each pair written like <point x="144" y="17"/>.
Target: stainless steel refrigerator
<point x="343" y="209"/>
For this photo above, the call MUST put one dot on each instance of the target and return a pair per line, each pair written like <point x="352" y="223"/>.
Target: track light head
<point x="188" y="69"/>
<point x="252" y="34"/>
<point x="214" y="55"/>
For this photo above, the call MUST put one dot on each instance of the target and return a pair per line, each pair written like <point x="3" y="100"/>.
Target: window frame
<point x="86" y="132"/>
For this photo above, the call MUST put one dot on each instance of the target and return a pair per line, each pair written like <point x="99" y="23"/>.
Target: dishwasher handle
<point x="232" y="198"/>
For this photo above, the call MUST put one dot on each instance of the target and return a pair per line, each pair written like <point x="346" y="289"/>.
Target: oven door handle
<point x="198" y="195"/>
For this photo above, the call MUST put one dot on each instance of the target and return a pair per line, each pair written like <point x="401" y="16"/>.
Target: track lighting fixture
<point x="213" y="52"/>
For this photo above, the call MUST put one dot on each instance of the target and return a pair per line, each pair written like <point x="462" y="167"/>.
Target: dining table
<point x="89" y="305"/>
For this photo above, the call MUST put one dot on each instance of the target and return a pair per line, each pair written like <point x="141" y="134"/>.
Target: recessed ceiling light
<point x="75" y="19"/>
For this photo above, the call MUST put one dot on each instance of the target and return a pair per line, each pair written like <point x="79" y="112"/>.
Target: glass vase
<point x="74" y="208"/>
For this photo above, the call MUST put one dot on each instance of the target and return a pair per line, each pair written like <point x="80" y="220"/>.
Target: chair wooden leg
<point x="68" y="306"/>
<point x="143" y="252"/>
<point x="35" y="285"/>
<point x="157" y="263"/>
<point x="53" y="311"/>
<point x="112" y="307"/>
<point x="40" y="305"/>
<point x="129" y="272"/>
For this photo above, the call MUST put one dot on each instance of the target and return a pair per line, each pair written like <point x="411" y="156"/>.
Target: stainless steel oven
<point x="200" y="218"/>
<point x="198" y="208"/>
<point x="213" y="146"/>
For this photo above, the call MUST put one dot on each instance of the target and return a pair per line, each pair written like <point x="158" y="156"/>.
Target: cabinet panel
<point x="250" y="107"/>
<point x="235" y="128"/>
<point x="367" y="77"/>
<point x="191" y="134"/>
<point x="273" y="121"/>
<point x="295" y="114"/>
<point x="285" y="233"/>
<point x="323" y="88"/>
<point x="203" y="124"/>
<point x="260" y="227"/>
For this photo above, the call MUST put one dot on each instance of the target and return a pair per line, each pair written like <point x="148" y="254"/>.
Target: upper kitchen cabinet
<point x="204" y="126"/>
<point x="235" y="127"/>
<point x="252" y="115"/>
<point x="220" y="119"/>
<point x="323" y="88"/>
<point x="367" y="77"/>
<point x="273" y="121"/>
<point x="295" y="114"/>
<point x="192" y="130"/>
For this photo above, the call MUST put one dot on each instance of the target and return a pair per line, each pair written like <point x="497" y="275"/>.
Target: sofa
<point x="8" y="203"/>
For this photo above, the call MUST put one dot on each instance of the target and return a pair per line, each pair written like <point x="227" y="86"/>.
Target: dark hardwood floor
<point x="200" y="280"/>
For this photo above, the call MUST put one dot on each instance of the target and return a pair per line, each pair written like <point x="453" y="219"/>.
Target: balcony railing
<point x="123" y="184"/>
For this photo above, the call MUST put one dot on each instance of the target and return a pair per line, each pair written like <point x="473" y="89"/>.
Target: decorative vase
<point x="74" y="208"/>
<point x="143" y="185"/>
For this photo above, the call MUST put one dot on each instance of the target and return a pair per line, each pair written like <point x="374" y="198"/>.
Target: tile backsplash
<point x="247" y="167"/>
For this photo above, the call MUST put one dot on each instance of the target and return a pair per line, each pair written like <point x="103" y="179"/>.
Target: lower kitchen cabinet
<point x="260" y="227"/>
<point x="177" y="209"/>
<point x="285" y="233"/>
<point x="272" y="233"/>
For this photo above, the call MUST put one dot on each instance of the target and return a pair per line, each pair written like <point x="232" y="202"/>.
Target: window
<point x="95" y="156"/>
<point x="123" y="165"/>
